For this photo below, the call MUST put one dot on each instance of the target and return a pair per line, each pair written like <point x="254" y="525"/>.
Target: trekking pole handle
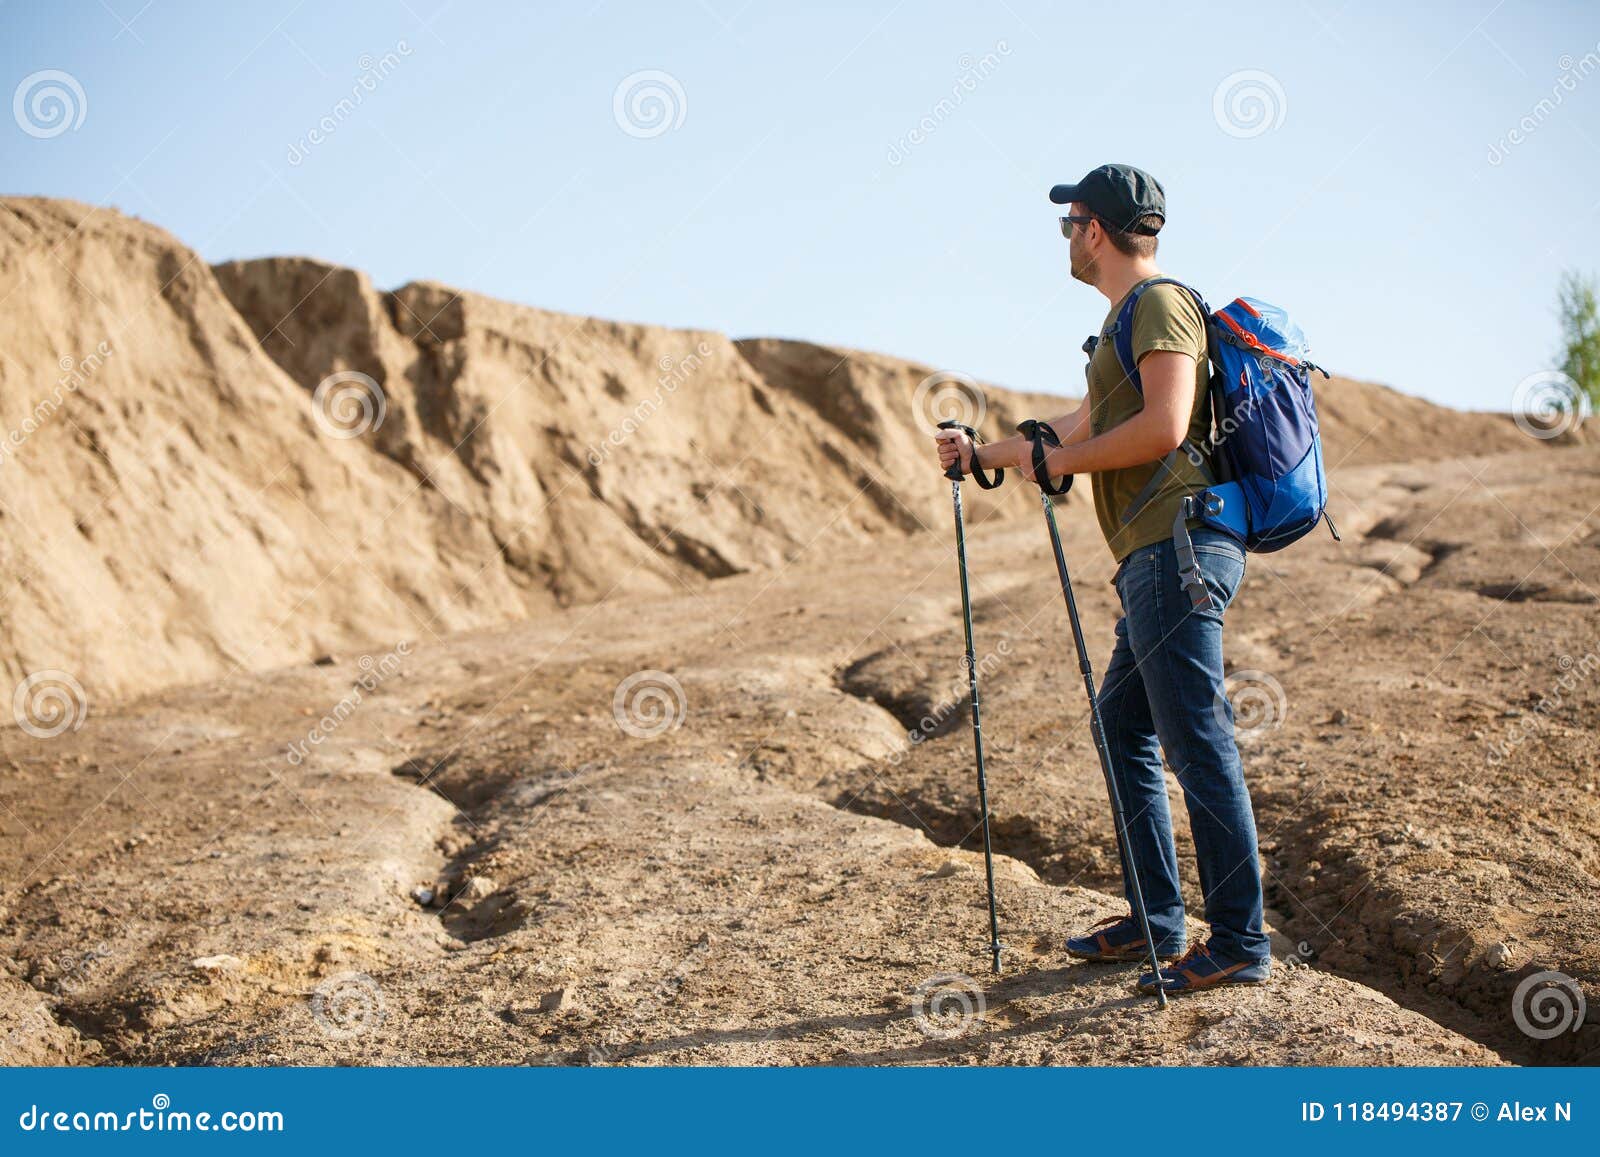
<point x="954" y="471"/>
<point x="1042" y="434"/>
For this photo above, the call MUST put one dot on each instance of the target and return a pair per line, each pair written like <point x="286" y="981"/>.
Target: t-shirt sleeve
<point x="1167" y="318"/>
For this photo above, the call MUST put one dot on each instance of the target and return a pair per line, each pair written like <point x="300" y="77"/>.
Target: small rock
<point x="945" y="870"/>
<point x="223" y="962"/>
<point x="1497" y="956"/>
<point x="551" y="1001"/>
<point x="479" y="888"/>
<point x="325" y="660"/>
<point x="422" y="895"/>
<point x="1340" y="717"/>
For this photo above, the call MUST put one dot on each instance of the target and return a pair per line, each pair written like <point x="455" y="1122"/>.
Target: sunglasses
<point x="1068" y="222"/>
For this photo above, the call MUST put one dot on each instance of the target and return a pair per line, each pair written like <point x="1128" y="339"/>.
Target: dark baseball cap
<point x="1120" y="194"/>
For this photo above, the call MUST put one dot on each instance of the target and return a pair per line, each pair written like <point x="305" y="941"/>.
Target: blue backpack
<point x="1265" y="453"/>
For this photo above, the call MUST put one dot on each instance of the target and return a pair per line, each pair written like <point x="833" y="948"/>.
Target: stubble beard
<point x="1084" y="269"/>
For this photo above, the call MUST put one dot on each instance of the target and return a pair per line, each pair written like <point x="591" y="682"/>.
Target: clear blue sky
<point x="791" y="199"/>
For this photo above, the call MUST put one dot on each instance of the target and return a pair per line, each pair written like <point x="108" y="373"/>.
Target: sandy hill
<point x="185" y="492"/>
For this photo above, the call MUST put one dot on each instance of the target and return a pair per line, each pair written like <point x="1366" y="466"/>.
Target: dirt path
<point x="200" y="876"/>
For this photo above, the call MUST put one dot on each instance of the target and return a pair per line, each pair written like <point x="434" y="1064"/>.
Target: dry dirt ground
<point x="765" y="871"/>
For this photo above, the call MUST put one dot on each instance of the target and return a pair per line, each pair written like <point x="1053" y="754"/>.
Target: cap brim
<point x="1064" y="194"/>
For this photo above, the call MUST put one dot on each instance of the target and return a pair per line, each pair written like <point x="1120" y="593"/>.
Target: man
<point x="1163" y="690"/>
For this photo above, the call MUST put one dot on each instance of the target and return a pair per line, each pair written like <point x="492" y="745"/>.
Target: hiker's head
<point x="1095" y="244"/>
<point x="1116" y="212"/>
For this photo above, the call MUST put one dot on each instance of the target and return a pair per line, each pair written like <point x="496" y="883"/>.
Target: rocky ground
<point x="689" y="829"/>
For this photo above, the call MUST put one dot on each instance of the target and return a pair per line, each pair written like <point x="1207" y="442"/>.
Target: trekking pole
<point x="1042" y="434"/>
<point x="954" y="474"/>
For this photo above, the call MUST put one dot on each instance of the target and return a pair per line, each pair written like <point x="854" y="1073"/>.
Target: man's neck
<point x="1115" y="283"/>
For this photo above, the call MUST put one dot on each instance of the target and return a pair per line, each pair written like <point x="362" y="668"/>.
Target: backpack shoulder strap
<point x="1122" y="340"/>
<point x="1122" y="329"/>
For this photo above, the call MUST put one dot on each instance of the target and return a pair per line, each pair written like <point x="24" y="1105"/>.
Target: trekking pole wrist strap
<point x="1041" y="435"/>
<point x="955" y="473"/>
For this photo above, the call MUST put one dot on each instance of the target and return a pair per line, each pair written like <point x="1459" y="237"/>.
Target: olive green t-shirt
<point x="1166" y="318"/>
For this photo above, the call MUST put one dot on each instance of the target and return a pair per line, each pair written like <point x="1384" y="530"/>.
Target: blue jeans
<point x="1163" y="692"/>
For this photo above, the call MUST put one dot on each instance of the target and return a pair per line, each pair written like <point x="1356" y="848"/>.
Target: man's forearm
<point x="1132" y="443"/>
<point x="1010" y="451"/>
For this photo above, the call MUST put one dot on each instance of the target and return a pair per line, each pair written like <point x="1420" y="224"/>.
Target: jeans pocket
<point x="1137" y="576"/>
<point x="1223" y="569"/>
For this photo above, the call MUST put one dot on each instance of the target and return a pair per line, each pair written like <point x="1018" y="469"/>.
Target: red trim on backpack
<point x="1246" y="306"/>
<point x="1254" y="342"/>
